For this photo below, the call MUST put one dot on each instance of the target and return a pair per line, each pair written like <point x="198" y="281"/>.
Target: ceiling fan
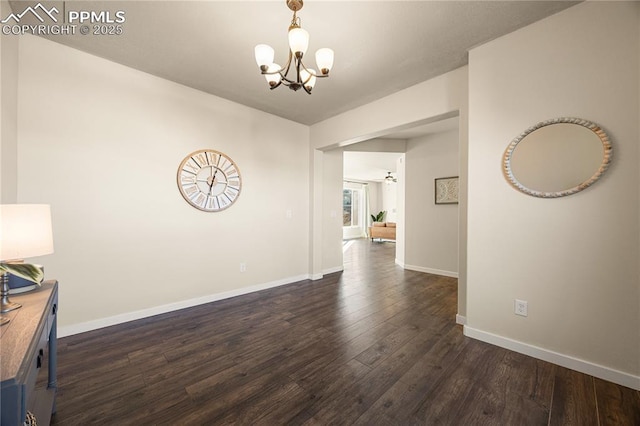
<point x="389" y="179"/>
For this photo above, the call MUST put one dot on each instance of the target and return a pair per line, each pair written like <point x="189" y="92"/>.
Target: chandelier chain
<point x="295" y="21"/>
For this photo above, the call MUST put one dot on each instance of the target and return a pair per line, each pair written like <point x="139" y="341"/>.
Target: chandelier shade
<point x="324" y="59"/>
<point x="304" y="78"/>
<point x="264" y="55"/>
<point x="308" y="78"/>
<point x="298" y="41"/>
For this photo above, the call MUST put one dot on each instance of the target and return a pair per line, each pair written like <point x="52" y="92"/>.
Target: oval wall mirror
<point x="557" y="157"/>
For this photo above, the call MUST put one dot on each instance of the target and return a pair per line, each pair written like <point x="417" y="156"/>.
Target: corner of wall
<point x="8" y="114"/>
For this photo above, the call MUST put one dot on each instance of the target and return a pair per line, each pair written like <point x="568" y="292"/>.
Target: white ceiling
<point x="380" y="46"/>
<point x="369" y="166"/>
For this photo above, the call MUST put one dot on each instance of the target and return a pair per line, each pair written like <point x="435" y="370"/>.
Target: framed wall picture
<point x="447" y="190"/>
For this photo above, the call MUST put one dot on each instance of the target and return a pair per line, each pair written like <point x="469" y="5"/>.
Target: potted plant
<point x="23" y="270"/>
<point x="378" y="217"/>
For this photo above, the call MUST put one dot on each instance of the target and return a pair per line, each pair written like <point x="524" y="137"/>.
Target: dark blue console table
<point x="28" y="357"/>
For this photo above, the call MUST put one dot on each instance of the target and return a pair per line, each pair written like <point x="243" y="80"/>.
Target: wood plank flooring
<point x="374" y="345"/>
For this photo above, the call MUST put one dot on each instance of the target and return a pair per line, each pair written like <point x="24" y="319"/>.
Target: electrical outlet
<point x="243" y="267"/>
<point x="288" y="214"/>
<point x="521" y="308"/>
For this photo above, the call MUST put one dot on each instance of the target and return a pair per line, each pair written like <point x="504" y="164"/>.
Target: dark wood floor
<point x="374" y="345"/>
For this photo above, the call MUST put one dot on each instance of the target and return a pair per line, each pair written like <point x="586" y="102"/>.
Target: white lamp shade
<point x="25" y="231"/>
<point x="273" y="79"/>
<point x="324" y="59"/>
<point x="264" y="54"/>
<point x="308" y="75"/>
<point x="298" y="40"/>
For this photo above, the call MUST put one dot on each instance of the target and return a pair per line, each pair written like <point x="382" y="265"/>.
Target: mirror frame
<point x="606" y="158"/>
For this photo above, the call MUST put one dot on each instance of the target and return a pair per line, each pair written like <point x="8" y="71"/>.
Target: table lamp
<point x="25" y="231"/>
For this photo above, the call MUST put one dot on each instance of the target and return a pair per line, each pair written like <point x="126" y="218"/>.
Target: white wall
<point x="400" y="211"/>
<point x="378" y="145"/>
<point x="431" y="241"/>
<point x="316" y="213"/>
<point x="101" y="143"/>
<point x="8" y="113"/>
<point x="574" y="259"/>
<point x="332" y="211"/>
<point x="375" y="198"/>
<point x="390" y="201"/>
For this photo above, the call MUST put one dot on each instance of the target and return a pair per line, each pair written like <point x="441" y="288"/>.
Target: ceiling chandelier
<point x="298" y="43"/>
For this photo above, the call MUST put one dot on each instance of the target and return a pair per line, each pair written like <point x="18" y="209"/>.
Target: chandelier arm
<point x="271" y="72"/>
<point x="300" y="82"/>
<point x="305" y="68"/>
<point x="298" y="63"/>
<point x="318" y="76"/>
<point x="287" y="66"/>
<point x="286" y="72"/>
<point x="310" y="73"/>
<point x="304" y="83"/>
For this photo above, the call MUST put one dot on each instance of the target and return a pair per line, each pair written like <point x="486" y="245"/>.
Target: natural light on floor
<point x="346" y="244"/>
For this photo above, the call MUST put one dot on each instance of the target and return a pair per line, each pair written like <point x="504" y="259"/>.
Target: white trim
<point x="431" y="271"/>
<point x="401" y="264"/>
<point x="332" y="270"/>
<point x="315" y="277"/>
<point x="596" y="370"/>
<point x="461" y="319"/>
<point x="70" y="330"/>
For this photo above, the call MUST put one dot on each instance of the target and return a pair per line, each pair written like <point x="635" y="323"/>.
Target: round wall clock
<point x="209" y="180"/>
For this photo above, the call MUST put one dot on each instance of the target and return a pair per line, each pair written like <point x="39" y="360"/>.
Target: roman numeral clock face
<point x="209" y="180"/>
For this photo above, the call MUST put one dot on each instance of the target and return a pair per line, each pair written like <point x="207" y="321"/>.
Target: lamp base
<point x="5" y="304"/>
<point x="4" y="321"/>
<point x="8" y="306"/>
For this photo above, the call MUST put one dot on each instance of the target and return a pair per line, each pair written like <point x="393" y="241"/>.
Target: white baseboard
<point x="596" y="370"/>
<point x="70" y="330"/>
<point x="332" y="270"/>
<point x="401" y="264"/>
<point x="431" y="271"/>
<point x="315" y="277"/>
<point x="460" y="319"/>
